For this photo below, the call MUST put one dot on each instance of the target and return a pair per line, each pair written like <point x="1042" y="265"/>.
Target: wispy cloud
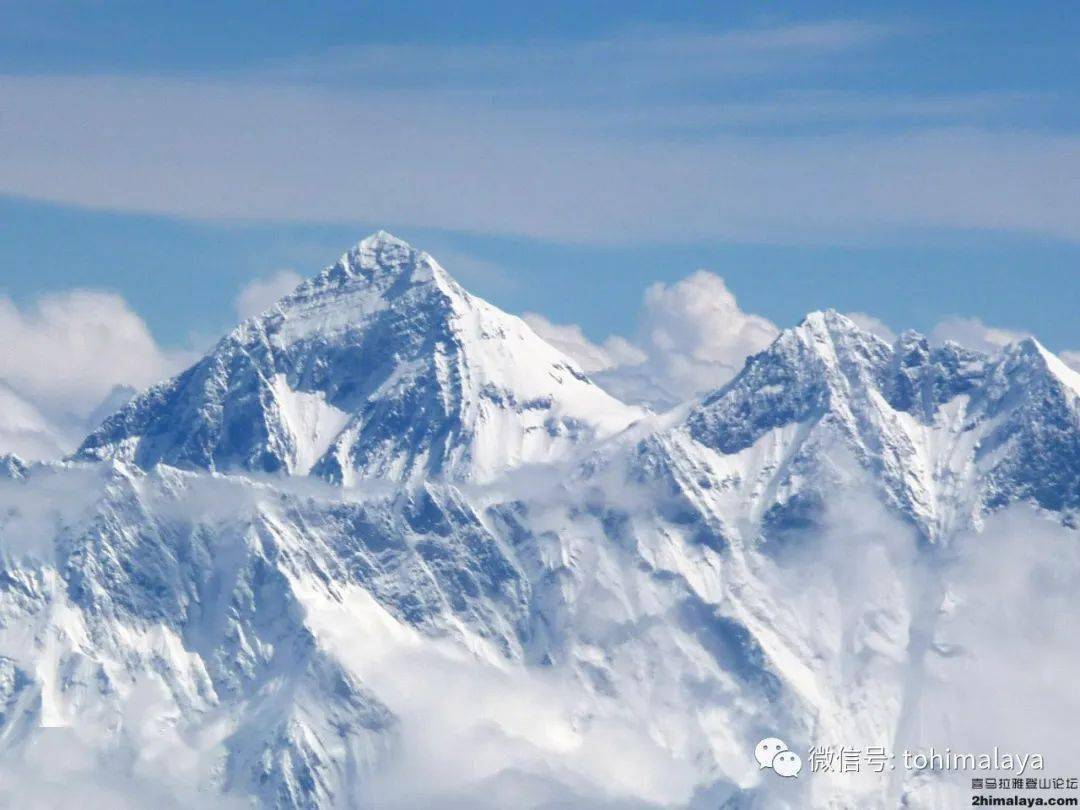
<point x="635" y="61"/>
<point x="651" y="135"/>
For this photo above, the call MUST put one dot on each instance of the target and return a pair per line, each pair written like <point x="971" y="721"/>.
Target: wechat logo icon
<point x="773" y="753"/>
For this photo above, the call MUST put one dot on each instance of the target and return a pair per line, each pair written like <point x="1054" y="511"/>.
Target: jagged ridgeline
<point x="383" y="546"/>
<point x="381" y="366"/>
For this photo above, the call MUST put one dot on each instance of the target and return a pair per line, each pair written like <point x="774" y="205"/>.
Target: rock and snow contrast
<point x="381" y="367"/>
<point x="385" y="547"/>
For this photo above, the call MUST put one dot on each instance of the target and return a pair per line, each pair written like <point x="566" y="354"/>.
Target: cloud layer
<point x="592" y="357"/>
<point x="67" y="351"/>
<point x="644" y="135"/>
<point x="974" y="334"/>
<point x="691" y="337"/>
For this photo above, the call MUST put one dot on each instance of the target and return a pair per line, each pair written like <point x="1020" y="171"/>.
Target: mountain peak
<point x="383" y="237"/>
<point x="947" y="431"/>
<point x="381" y="366"/>
<point x="834" y="328"/>
<point x="828" y="319"/>
<point x="380" y="260"/>
<point x="383" y="250"/>
<point x="1030" y="352"/>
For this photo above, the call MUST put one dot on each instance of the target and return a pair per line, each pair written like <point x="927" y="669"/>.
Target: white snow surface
<point x="312" y="423"/>
<point x="384" y="547"/>
<point x="435" y="383"/>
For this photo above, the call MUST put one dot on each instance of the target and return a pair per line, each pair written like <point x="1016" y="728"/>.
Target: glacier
<point x="383" y="546"/>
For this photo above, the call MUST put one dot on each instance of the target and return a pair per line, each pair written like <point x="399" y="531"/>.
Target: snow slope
<point x="380" y="367"/>
<point x="384" y="547"/>
<point x="947" y="434"/>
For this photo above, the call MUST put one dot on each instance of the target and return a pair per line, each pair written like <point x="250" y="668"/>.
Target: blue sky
<point x="913" y="161"/>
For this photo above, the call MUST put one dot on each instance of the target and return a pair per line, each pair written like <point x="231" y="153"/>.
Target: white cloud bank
<point x="974" y="334"/>
<point x="691" y="337"/>
<point x="24" y="430"/>
<point x="570" y="340"/>
<point x="696" y="335"/>
<point x="62" y="358"/>
<point x="67" y="351"/>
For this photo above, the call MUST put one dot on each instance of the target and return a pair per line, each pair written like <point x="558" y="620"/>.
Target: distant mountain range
<point x="383" y="546"/>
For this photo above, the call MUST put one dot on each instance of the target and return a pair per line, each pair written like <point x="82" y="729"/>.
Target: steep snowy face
<point x="382" y="366"/>
<point x="947" y="433"/>
<point x="822" y="366"/>
<point x="626" y="628"/>
<point x="1030" y="407"/>
<point x="288" y="641"/>
<point x="12" y="467"/>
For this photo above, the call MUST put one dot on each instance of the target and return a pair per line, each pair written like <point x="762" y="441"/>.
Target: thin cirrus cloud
<point x="633" y="61"/>
<point x="643" y="136"/>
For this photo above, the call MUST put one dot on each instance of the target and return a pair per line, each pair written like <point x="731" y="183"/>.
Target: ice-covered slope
<point x="292" y="643"/>
<point x="382" y="366"/>
<point x="550" y="604"/>
<point x="946" y="433"/>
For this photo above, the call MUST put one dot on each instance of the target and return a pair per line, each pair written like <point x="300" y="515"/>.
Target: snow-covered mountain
<point x="382" y="367"/>
<point x="946" y="433"/>
<point x="385" y="547"/>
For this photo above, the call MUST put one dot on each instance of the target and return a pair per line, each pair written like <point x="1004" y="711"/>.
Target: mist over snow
<point x="759" y="447"/>
<point x="385" y="545"/>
